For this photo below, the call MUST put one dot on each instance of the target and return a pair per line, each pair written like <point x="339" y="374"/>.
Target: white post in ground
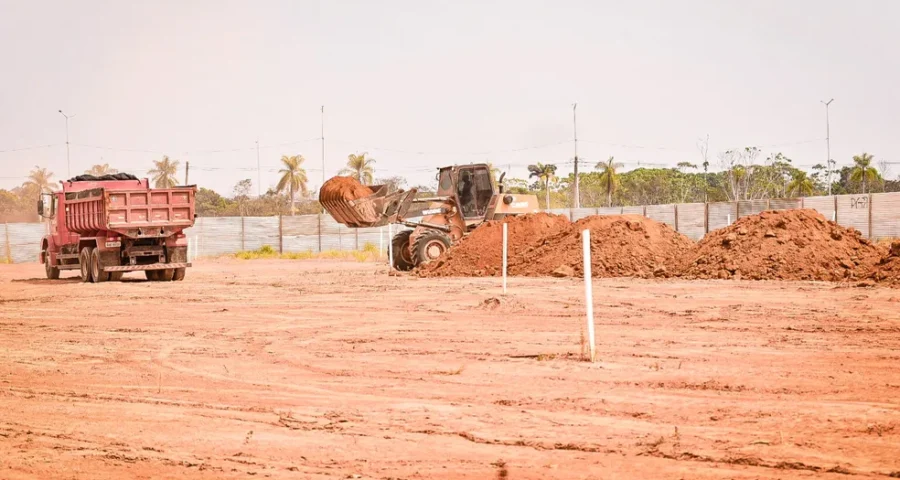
<point x="505" y="246"/>
<point x="588" y="289"/>
<point x="390" y="247"/>
<point x="380" y="241"/>
<point x="729" y="219"/>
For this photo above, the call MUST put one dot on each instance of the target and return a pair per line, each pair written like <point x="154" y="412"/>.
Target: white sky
<point x="419" y="84"/>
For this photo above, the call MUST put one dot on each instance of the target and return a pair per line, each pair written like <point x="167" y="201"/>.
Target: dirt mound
<point x="621" y="246"/>
<point x="786" y="245"/>
<point x="343" y="188"/>
<point x="888" y="269"/>
<point x="481" y="252"/>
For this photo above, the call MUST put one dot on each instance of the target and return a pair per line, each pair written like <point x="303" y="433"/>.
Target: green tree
<point x="163" y="173"/>
<point x="545" y="173"/>
<point x="863" y="172"/>
<point x="101" y="170"/>
<point x="801" y="184"/>
<point x="293" y="177"/>
<point x="40" y="178"/>
<point x="609" y="178"/>
<point x="360" y="168"/>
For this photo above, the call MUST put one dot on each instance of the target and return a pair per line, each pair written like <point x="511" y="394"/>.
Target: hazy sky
<point x="420" y="84"/>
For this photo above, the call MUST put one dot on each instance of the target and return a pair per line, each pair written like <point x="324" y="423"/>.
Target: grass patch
<point x="369" y="253"/>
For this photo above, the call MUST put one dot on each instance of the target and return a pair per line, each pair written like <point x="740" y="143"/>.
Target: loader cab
<point x="470" y="185"/>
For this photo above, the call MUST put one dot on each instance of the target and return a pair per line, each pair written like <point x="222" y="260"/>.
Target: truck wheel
<point x="84" y="261"/>
<point x="52" y="272"/>
<point x="401" y="251"/>
<point x="116" y="276"/>
<point x="152" y="275"/>
<point x="179" y="274"/>
<point x="97" y="267"/>
<point x="166" y="275"/>
<point x="429" y="246"/>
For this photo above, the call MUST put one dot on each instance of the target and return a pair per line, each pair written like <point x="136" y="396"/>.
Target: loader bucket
<point x="375" y="210"/>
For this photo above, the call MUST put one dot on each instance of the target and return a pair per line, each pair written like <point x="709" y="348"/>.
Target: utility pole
<point x="575" y="131"/>
<point x="258" y="172"/>
<point x="828" y="143"/>
<point x="68" y="162"/>
<point x="323" y="160"/>
<point x="187" y="170"/>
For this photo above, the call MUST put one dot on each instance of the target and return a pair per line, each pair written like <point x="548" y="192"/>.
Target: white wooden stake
<point x="729" y="219"/>
<point x="390" y="247"/>
<point x="380" y="241"/>
<point x="833" y="216"/>
<point x="505" y="245"/>
<point x="588" y="289"/>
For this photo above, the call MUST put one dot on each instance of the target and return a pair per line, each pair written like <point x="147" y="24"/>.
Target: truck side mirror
<point x="40" y="206"/>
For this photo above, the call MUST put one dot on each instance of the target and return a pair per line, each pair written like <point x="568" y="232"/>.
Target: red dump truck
<point x="107" y="226"/>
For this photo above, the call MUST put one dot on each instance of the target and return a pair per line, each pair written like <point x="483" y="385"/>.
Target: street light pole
<point x="575" y="131"/>
<point x="828" y="143"/>
<point x="68" y="162"/>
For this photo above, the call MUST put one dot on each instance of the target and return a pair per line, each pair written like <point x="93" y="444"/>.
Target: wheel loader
<point x="466" y="197"/>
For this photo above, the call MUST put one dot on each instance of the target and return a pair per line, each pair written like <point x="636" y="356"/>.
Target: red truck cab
<point x="107" y="226"/>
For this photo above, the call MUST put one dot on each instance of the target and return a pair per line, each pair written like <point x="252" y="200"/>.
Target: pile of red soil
<point x="343" y="188"/>
<point x="481" y="252"/>
<point x="550" y="245"/>
<point x="785" y="245"/>
<point x="621" y="246"/>
<point x="888" y="269"/>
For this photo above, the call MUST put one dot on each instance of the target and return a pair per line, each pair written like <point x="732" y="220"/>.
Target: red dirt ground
<point x="887" y="270"/>
<point x="281" y="369"/>
<point x="788" y="245"/>
<point x="343" y="188"/>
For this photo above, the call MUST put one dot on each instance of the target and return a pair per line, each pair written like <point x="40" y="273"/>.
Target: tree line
<point x="743" y="175"/>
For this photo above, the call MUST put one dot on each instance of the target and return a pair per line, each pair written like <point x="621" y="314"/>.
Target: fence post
<point x="706" y="218"/>
<point x="356" y="238"/>
<point x="8" y="247"/>
<point x="280" y="234"/>
<point x="871" y="236"/>
<point x="319" y="215"/>
<point x="835" y="216"/>
<point x="645" y="211"/>
<point x="768" y="204"/>
<point x="242" y="233"/>
<point x="676" y="216"/>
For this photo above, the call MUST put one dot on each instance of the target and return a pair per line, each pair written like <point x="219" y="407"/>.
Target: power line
<point x="35" y="147"/>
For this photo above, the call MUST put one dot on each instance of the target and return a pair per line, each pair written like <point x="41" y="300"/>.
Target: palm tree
<point x="360" y="168"/>
<point x="801" y="184"/>
<point x="164" y="172"/>
<point x="863" y="171"/>
<point x="293" y="177"/>
<point x="609" y="178"/>
<point x="545" y="173"/>
<point x="101" y="170"/>
<point x="40" y="178"/>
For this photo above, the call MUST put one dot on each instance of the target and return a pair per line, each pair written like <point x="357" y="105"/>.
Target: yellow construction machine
<point x="466" y="197"/>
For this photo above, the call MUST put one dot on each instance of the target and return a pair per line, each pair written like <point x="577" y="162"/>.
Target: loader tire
<point x="429" y="246"/>
<point x="403" y="259"/>
<point x="97" y="272"/>
<point x="84" y="261"/>
<point x="51" y="271"/>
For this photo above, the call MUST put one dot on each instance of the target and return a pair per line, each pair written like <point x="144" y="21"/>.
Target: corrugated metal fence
<point x="876" y="216"/>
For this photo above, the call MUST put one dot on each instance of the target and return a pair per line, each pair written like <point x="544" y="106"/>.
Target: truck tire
<point x="84" y="261"/>
<point x="97" y="267"/>
<point x="429" y="246"/>
<point x="116" y="276"/>
<point x="402" y="253"/>
<point x="51" y="271"/>
<point x="179" y="274"/>
<point x="152" y="275"/>
<point x="166" y="275"/>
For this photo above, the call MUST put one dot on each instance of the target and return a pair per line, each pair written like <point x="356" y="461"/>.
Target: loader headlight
<point x="508" y="199"/>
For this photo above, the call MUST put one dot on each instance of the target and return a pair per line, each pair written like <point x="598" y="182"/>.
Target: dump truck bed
<point x="134" y="213"/>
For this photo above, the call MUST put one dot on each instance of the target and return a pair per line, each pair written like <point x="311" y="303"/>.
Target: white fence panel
<point x="259" y="231"/>
<point x="720" y="214"/>
<point x="662" y="213"/>
<point x="823" y="205"/>
<point x="24" y="241"/>
<point x="886" y="215"/>
<point x="853" y="211"/>
<point x="691" y="220"/>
